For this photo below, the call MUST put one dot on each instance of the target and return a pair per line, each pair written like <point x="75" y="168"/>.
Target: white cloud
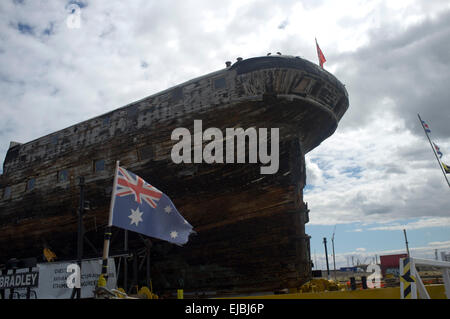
<point x="422" y="223"/>
<point x="437" y="244"/>
<point x="370" y="181"/>
<point x="392" y="57"/>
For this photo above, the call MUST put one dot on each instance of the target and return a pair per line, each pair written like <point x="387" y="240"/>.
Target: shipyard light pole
<point x="334" y="258"/>
<point x="406" y="241"/>
<point x="326" y="256"/>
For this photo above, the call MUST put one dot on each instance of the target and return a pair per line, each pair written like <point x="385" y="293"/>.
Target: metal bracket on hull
<point x="300" y="211"/>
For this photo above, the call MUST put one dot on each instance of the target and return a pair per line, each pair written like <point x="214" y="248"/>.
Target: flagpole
<point x="434" y="150"/>
<point x="104" y="275"/>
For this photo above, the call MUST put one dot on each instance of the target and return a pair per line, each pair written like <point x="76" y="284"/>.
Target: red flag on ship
<point x="322" y="59"/>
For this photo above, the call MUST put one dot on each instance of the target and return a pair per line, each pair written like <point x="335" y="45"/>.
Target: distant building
<point x="390" y="264"/>
<point x="445" y="256"/>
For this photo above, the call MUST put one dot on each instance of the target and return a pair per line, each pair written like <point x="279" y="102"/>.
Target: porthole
<point x="63" y="175"/>
<point x="220" y="83"/>
<point x="99" y="165"/>
<point x="31" y="183"/>
<point x="7" y="192"/>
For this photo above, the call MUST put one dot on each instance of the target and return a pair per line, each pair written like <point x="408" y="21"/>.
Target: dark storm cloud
<point x="411" y="68"/>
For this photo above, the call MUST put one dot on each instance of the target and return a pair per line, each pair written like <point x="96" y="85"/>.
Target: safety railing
<point x="411" y="285"/>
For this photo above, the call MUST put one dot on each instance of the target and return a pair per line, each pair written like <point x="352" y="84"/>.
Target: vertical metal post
<point x="80" y="222"/>
<point x="76" y="292"/>
<point x="148" y="267"/>
<point x="413" y="284"/>
<point x="125" y="265"/>
<point x="446" y="278"/>
<point x="402" y="272"/>
<point x="107" y="238"/>
<point x="408" y="289"/>
<point x="315" y="261"/>
<point x="406" y="241"/>
<point x="334" y="258"/>
<point x="135" y="271"/>
<point x="103" y="278"/>
<point x="326" y="256"/>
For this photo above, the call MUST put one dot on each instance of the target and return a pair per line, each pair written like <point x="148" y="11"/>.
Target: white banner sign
<point x="52" y="280"/>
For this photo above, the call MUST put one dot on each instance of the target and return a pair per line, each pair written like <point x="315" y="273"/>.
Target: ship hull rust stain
<point x="250" y="227"/>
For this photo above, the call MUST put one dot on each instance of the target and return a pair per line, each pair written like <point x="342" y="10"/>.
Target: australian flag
<point x="142" y="208"/>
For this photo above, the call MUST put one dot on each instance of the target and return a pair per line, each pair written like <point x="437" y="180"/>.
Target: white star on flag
<point x="136" y="216"/>
<point x="168" y="209"/>
<point x="173" y="234"/>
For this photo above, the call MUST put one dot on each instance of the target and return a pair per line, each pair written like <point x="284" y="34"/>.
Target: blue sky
<point x="361" y="186"/>
<point x="365" y="244"/>
<point x="375" y="176"/>
<point x="361" y="181"/>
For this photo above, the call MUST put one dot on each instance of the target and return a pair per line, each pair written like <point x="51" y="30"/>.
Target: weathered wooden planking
<point x="250" y="227"/>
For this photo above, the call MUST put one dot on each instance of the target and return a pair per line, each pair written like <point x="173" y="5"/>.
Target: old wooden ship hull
<point x="250" y="227"/>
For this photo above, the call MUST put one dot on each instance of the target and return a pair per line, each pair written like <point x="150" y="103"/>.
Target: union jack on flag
<point x="142" y="208"/>
<point x="130" y="184"/>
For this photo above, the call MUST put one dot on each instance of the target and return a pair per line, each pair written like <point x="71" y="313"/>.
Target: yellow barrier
<point x="435" y="292"/>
